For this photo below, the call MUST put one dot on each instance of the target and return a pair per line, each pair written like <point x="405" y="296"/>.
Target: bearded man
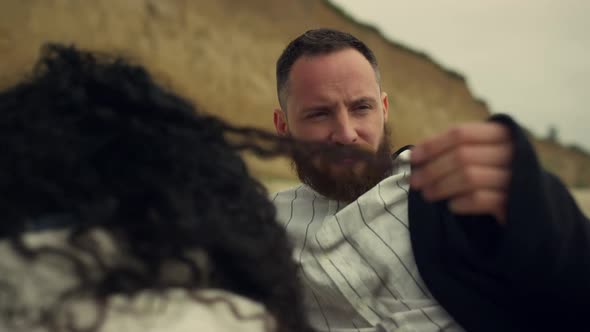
<point x="473" y="236"/>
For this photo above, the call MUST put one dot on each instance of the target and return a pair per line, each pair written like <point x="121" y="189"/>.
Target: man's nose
<point x="343" y="131"/>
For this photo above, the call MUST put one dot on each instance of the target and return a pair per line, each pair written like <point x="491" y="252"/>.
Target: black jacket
<point x="531" y="275"/>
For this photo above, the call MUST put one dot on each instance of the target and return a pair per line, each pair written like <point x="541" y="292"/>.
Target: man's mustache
<point x="333" y="151"/>
<point x="267" y="145"/>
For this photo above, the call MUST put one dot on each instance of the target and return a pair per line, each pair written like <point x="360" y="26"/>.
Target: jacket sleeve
<point x="545" y="246"/>
<point x="533" y="274"/>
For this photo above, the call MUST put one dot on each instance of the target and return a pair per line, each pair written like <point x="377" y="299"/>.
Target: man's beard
<point x="330" y="176"/>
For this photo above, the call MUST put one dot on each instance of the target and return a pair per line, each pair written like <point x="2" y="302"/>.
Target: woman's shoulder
<point x="39" y="282"/>
<point x="179" y="311"/>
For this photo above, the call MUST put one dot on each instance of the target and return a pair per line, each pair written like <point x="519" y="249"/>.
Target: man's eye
<point x="315" y="115"/>
<point x="363" y="107"/>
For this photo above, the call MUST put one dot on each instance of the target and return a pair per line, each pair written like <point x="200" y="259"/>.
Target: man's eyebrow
<point x="320" y="107"/>
<point x="364" y="100"/>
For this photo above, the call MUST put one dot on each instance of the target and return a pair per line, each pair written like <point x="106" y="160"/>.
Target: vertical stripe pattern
<point x="356" y="260"/>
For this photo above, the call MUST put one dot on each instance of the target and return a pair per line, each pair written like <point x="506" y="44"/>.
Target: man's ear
<point x="385" y="103"/>
<point x="280" y="121"/>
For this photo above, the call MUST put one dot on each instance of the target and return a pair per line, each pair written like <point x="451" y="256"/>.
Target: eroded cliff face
<point x="221" y="55"/>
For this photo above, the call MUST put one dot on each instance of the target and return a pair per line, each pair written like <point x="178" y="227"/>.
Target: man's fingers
<point x="490" y="155"/>
<point x="468" y="180"/>
<point x="472" y="133"/>
<point x="481" y="202"/>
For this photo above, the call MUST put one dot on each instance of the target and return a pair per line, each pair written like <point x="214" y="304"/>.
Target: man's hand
<point x="468" y="165"/>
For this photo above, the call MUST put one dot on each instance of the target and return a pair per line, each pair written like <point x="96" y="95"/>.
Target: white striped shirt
<point x="356" y="260"/>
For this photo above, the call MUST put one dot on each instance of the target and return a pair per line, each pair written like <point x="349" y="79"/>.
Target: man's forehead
<point x="332" y="60"/>
<point x="321" y="81"/>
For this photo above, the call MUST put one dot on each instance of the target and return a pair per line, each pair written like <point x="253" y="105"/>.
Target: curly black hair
<point x="94" y="138"/>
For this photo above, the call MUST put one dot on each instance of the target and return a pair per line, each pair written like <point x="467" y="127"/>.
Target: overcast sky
<point x="527" y="58"/>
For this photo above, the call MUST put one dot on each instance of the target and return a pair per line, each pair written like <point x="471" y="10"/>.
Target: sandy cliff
<point x="221" y="54"/>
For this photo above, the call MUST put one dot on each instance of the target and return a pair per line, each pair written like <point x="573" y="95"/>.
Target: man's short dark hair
<point x="317" y="42"/>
